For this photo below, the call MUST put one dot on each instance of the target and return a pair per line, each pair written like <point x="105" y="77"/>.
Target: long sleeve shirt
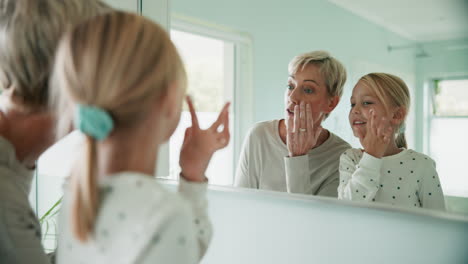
<point x="264" y="163"/>
<point x="20" y="231"/>
<point x="407" y="179"/>
<point x="139" y="221"/>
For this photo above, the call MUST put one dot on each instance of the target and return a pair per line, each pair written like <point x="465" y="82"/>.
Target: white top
<point x="407" y="179"/>
<point x="264" y="163"/>
<point x="20" y="231"/>
<point x="139" y="221"/>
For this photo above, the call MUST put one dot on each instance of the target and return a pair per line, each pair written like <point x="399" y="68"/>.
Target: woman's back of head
<point x="29" y="34"/>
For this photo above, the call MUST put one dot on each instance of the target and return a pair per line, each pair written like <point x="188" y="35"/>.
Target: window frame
<point x="429" y="117"/>
<point x="242" y="88"/>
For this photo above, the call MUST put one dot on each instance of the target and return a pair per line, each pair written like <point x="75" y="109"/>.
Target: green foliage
<point x="49" y="226"/>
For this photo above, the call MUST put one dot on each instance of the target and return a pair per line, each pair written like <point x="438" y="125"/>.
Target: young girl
<point x="120" y="80"/>
<point x="385" y="171"/>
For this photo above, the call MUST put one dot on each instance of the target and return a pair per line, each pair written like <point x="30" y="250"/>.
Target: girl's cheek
<point x="366" y="113"/>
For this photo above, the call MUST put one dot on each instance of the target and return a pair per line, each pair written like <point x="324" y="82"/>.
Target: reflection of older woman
<point x="297" y="155"/>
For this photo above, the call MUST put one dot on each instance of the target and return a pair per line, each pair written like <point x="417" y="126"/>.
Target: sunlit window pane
<point x="451" y="98"/>
<point x="209" y="73"/>
<point x="448" y="146"/>
<point x="204" y="62"/>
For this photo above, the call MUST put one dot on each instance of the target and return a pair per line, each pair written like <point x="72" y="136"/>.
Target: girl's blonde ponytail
<point x="85" y="193"/>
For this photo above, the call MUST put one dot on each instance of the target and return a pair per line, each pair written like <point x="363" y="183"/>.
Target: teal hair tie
<point x="93" y="121"/>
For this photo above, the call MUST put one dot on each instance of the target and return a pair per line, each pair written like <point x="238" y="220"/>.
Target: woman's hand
<point x="378" y="134"/>
<point x="199" y="145"/>
<point x="302" y="135"/>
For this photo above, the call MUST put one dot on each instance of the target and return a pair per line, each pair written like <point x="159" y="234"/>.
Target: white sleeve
<point x="300" y="180"/>
<point x="195" y="194"/>
<point x="359" y="182"/>
<point x="246" y="172"/>
<point x="430" y="194"/>
<point x="297" y="174"/>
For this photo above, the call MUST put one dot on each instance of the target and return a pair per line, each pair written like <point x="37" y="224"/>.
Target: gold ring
<point x="302" y="130"/>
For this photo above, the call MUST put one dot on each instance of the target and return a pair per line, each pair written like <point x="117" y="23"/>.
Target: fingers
<point x="289" y="132"/>
<point x="371" y="126"/>
<point x="222" y="117"/>
<point x="380" y="129"/>
<point x="296" y="119"/>
<point x="385" y="128"/>
<point x="380" y="126"/>
<point x="222" y="137"/>
<point x="375" y="123"/>
<point x="310" y="120"/>
<point x="302" y="116"/>
<point x="193" y="114"/>
<point x="225" y="134"/>
<point x="387" y="134"/>
<point x="187" y="136"/>
<point x="289" y="124"/>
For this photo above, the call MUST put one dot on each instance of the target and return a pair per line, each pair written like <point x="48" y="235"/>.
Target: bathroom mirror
<point x="239" y="51"/>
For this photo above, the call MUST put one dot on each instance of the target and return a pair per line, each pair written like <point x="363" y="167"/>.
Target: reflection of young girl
<point x="124" y="80"/>
<point x="385" y="171"/>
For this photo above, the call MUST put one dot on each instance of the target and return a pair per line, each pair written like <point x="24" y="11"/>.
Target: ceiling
<point x="418" y="20"/>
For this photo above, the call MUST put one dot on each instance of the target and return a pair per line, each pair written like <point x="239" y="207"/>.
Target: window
<point x="447" y="141"/>
<point x="209" y="63"/>
<point x="450" y="98"/>
<point x="218" y="71"/>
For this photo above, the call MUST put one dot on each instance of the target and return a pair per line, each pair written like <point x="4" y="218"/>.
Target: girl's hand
<point x="301" y="135"/>
<point x="377" y="137"/>
<point x="199" y="145"/>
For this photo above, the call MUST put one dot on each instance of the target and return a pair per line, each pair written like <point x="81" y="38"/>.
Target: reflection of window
<point x="210" y="69"/>
<point x="450" y="98"/>
<point x="218" y="61"/>
<point x="448" y="125"/>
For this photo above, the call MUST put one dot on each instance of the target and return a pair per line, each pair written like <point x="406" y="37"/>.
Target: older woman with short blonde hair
<point x="296" y="154"/>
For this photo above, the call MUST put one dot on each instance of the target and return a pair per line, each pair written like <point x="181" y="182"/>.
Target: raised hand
<point x="377" y="137"/>
<point x="199" y="145"/>
<point x="302" y="135"/>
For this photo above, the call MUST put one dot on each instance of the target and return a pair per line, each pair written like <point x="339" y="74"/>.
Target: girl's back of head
<point x="391" y="91"/>
<point x="119" y="63"/>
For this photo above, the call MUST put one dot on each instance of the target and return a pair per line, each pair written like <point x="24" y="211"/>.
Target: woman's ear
<point x="399" y="115"/>
<point x="332" y="103"/>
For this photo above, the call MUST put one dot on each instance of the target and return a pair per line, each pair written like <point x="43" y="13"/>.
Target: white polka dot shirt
<point x="139" y="221"/>
<point x="407" y="179"/>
